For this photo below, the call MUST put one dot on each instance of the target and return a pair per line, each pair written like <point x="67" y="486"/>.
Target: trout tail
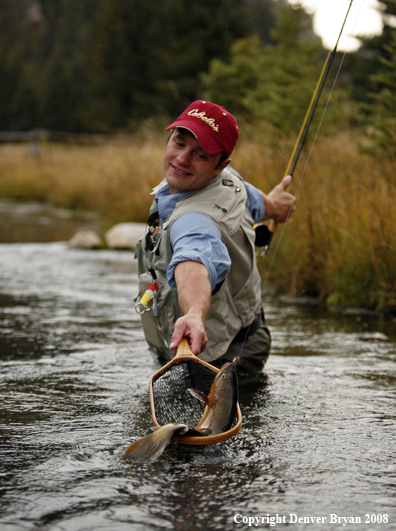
<point x="150" y="447"/>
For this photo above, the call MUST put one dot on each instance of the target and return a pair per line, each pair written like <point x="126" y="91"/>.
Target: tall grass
<point x="340" y="244"/>
<point x="114" y="180"/>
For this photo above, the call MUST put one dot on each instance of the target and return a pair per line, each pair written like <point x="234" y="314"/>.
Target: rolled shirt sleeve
<point x="196" y="237"/>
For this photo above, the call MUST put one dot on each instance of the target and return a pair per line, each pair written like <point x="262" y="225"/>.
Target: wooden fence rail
<point x="37" y="135"/>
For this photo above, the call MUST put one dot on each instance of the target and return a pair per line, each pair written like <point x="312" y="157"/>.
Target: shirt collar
<point x="166" y="201"/>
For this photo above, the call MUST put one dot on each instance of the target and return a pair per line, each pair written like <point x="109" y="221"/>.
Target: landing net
<point x="172" y="401"/>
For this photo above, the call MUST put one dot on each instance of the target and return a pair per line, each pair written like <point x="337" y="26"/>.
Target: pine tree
<point x="195" y="33"/>
<point x="272" y="83"/>
<point x="62" y="77"/>
<point x="120" y="66"/>
<point x="261" y="17"/>
<point x="35" y="36"/>
<point x="366" y="62"/>
<point x="102" y="64"/>
<point x="146" y="57"/>
<point x="382" y="108"/>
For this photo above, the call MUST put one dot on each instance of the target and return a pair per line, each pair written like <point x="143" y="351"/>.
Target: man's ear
<point x="221" y="166"/>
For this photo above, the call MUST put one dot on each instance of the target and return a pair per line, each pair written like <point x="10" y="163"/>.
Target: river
<point x="317" y="445"/>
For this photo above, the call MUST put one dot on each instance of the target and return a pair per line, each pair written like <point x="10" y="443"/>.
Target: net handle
<point x="183" y="350"/>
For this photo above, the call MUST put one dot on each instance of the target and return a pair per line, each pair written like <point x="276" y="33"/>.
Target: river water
<point x="317" y="442"/>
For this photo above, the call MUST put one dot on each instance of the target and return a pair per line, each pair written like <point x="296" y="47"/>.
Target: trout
<point x="218" y="416"/>
<point x="221" y="403"/>
<point x="151" y="446"/>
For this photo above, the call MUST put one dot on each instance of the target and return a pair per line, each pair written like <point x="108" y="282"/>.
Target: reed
<point x="340" y="244"/>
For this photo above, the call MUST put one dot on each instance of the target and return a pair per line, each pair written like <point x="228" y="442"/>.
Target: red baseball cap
<point x="214" y="127"/>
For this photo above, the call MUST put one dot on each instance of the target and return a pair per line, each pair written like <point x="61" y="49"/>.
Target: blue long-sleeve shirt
<point x="196" y="237"/>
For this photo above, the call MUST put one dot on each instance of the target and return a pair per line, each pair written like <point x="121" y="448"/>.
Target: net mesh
<point x="172" y="401"/>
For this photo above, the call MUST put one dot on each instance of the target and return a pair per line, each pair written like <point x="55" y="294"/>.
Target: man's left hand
<point x="279" y="203"/>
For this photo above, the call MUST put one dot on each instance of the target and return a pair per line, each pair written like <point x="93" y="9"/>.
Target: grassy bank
<point x="114" y="180"/>
<point x="340" y="245"/>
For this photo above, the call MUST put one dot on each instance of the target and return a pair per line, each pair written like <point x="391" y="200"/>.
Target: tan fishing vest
<point x="238" y="301"/>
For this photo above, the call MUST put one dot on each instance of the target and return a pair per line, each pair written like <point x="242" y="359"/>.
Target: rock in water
<point x="124" y="235"/>
<point x="86" y="239"/>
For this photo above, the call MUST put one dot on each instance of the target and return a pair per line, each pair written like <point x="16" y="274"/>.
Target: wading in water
<point x="197" y="269"/>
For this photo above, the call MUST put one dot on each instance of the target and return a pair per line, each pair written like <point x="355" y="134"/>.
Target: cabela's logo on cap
<point x="202" y="116"/>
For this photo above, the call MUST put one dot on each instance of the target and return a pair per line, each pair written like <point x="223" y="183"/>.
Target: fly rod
<point x="263" y="233"/>
<point x="313" y="104"/>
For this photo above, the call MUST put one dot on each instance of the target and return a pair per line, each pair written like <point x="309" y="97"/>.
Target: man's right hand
<point x="193" y="327"/>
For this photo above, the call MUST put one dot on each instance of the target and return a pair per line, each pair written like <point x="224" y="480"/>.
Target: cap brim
<point x="208" y="143"/>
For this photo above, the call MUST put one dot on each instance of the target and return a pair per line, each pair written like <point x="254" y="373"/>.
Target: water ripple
<point x="318" y="433"/>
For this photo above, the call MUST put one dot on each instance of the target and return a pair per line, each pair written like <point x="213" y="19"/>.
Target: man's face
<point x="187" y="166"/>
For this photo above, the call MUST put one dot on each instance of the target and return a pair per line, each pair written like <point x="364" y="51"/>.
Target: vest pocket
<point x="157" y="328"/>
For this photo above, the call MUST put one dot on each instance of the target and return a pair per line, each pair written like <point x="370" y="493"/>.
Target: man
<point x="197" y="269"/>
